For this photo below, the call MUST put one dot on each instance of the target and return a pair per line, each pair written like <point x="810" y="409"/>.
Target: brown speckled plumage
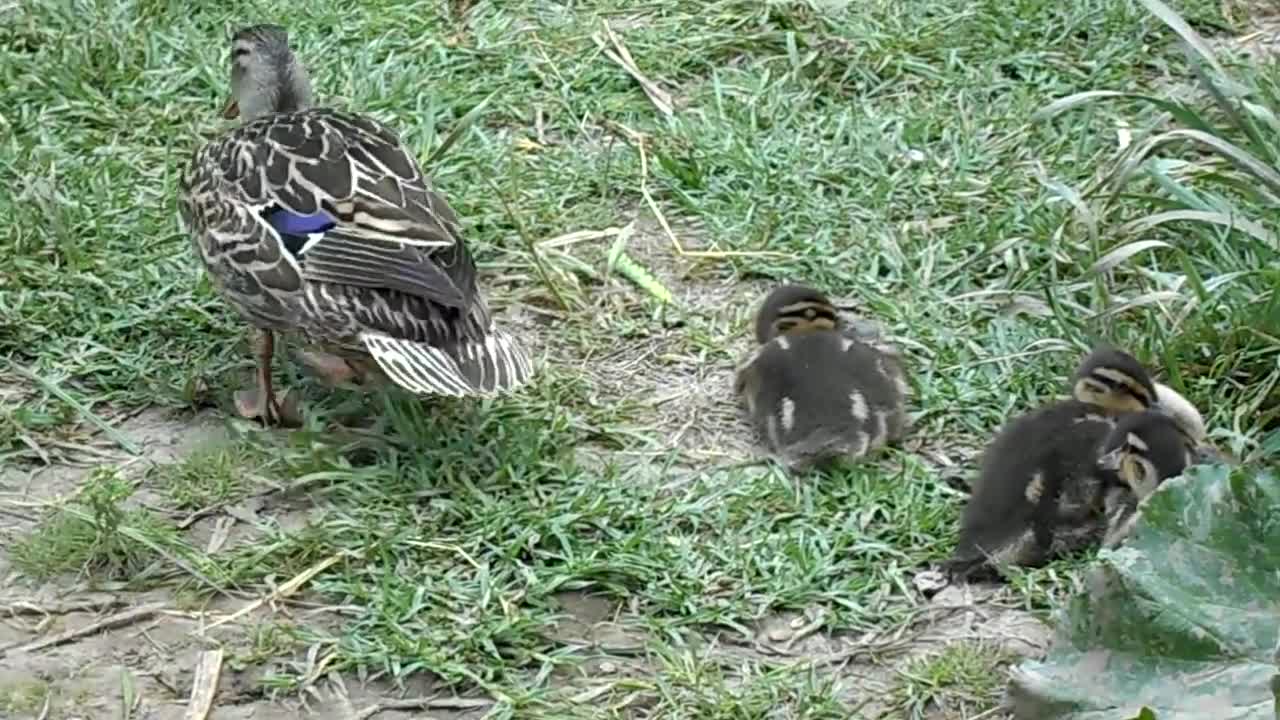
<point x="391" y="277"/>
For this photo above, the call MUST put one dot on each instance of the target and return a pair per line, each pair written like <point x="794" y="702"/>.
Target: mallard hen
<point x="321" y="222"/>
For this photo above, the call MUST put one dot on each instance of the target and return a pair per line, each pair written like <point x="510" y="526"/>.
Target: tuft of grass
<point x="1195" y="260"/>
<point x="964" y="679"/>
<point x="96" y="534"/>
<point x="24" y="697"/>
<point x="206" y="477"/>
<point x="694" y="684"/>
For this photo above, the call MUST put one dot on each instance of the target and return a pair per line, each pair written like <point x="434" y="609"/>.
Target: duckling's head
<point x="1143" y="450"/>
<point x="266" y="77"/>
<point x="794" y="309"/>
<point x="1115" y="381"/>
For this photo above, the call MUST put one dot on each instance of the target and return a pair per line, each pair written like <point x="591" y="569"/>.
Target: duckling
<point x="815" y="389"/>
<point x="1037" y="494"/>
<point x="321" y="222"/>
<point x="1140" y="453"/>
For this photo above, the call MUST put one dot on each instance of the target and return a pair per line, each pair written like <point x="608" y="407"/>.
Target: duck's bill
<point x="232" y="110"/>
<point x="1111" y="460"/>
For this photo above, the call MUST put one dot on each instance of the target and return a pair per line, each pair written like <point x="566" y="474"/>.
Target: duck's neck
<point x="286" y="88"/>
<point x="295" y="89"/>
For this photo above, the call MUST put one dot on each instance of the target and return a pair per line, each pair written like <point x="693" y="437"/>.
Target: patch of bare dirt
<point x="1259" y="25"/>
<point x="68" y="650"/>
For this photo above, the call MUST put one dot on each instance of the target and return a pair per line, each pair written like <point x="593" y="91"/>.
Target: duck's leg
<point x="260" y="401"/>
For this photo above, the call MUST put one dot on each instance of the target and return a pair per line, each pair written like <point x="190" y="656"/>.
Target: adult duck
<point x="320" y="222"/>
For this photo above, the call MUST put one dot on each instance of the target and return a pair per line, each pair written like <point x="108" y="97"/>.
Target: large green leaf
<point x="1182" y="622"/>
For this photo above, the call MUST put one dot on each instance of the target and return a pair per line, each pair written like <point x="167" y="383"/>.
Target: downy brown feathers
<point x="1038" y="493"/>
<point x="814" y="392"/>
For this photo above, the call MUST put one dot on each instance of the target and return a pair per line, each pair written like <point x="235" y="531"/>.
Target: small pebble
<point x="608" y="667"/>
<point x="779" y="634"/>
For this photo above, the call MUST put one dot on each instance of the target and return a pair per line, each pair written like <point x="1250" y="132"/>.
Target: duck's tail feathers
<point x="491" y="364"/>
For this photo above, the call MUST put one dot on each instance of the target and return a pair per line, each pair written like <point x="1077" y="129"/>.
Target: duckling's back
<point x="817" y="395"/>
<point x="1036" y="493"/>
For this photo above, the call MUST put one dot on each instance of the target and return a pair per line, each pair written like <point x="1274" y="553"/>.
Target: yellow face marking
<point x="1140" y="393"/>
<point x="1139" y="474"/>
<point x="805" y="316"/>
<point x="1137" y="443"/>
<point x="807" y="308"/>
<point x="1094" y="392"/>
<point x="796" y="325"/>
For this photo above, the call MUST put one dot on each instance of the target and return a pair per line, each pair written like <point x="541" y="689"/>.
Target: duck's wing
<point x="349" y="204"/>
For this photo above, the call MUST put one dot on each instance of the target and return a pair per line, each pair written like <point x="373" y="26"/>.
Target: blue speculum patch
<point x="291" y="223"/>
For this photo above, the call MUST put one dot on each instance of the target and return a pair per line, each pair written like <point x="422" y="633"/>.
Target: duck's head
<point x="266" y="76"/>
<point x="1114" y="381"/>
<point x="794" y="309"/>
<point x="1143" y="450"/>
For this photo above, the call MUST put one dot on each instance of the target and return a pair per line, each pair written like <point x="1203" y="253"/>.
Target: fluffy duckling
<point x="1140" y="453"/>
<point x="815" y="389"/>
<point x="1037" y="493"/>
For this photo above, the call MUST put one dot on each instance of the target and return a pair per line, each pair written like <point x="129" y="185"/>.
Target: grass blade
<point x="1227" y="220"/>
<point x="1238" y="156"/>
<point x="1170" y="17"/>
<point x="116" y="436"/>
<point x="1124" y="252"/>
<point x="464" y="123"/>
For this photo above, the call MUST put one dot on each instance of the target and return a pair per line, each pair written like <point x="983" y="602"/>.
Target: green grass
<point x="25" y="697"/>
<point x="958" y="678"/>
<point x="204" y="478"/>
<point x="96" y="534"/>
<point x="889" y="150"/>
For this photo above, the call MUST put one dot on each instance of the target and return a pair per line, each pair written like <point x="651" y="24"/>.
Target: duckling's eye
<point x="1140" y="474"/>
